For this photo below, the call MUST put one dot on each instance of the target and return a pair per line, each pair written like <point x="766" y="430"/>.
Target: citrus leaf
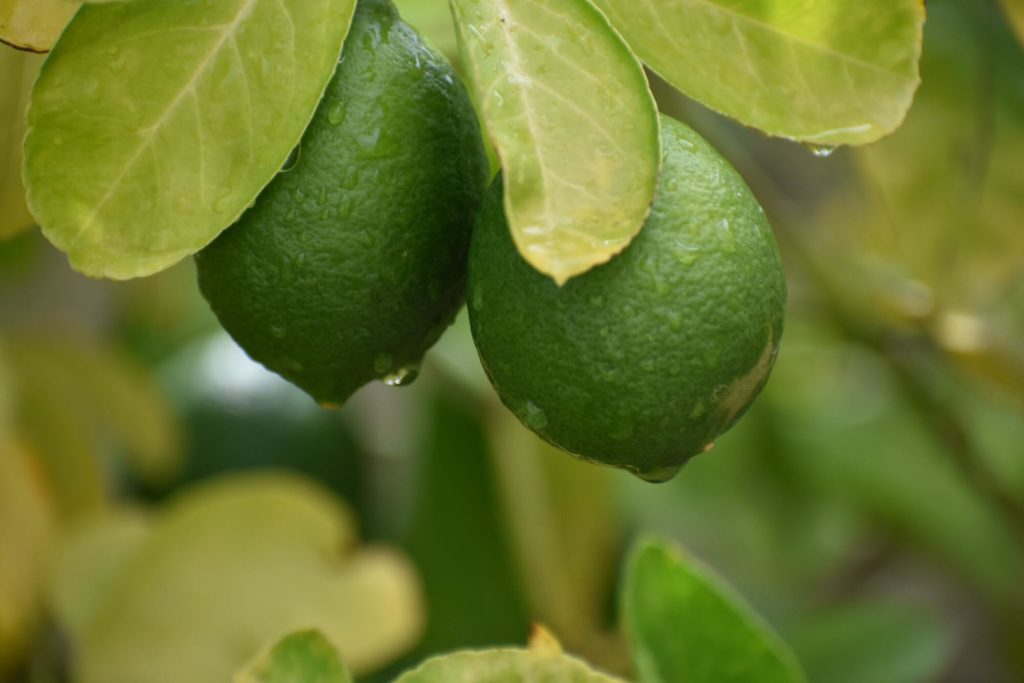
<point x="305" y="656"/>
<point x="1015" y="13"/>
<point x="828" y="72"/>
<point x="17" y="72"/>
<point x="153" y="125"/>
<point x="88" y="562"/>
<point x="686" y="625"/>
<point x="231" y="565"/>
<point x="535" y="665"/>
<point x="34" y="25"/>
<point x="567" y="108"/>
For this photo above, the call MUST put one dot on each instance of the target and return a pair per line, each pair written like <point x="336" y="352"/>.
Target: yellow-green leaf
<point x="1015" y="13"/>
<point x="34" y="25"/>
<point x="568" y="110"/>
<point x="302" y="657"/>
<point x="153" y="125"/>
<point x="828" y="72"/>
<point x="17" y="72"/>
<point x="228" y="567"/>
<point x="27" y="526"/>
<point x="533" y="665"/>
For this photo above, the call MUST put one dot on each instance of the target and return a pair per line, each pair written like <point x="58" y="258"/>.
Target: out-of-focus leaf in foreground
<point x="302" y="657"/>
<point x="828" y="73"/>
<point x="542" y="662"/>
<point x="573" y="122"/>
<point x="1015" y="13"/>
<point x="27" y="526"/>
<point x="153" y="125"/>
<point x="17" y="73"/>
<point x="874" y="641"/>
<point x="686" y="625"/>
<point x="224" y="569"/>
<point x="34" y="25"/>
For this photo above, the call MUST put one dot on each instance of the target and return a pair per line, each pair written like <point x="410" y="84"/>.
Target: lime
<point x="351" y="263"/>
<point x="643" y="361"/>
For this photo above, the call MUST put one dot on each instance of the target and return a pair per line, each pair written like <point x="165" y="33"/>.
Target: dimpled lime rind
<point x="351" y="263"/>
<point x="642" y="362"/>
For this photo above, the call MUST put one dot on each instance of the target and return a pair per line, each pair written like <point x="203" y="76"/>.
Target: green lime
<point x="351" y="263"/>
<point x="643" y="361"/>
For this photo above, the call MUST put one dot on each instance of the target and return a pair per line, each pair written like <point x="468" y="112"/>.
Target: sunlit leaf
<point x="567" y="108"/>
<point x="27" y="526"/>
<point x="305" y="656"/>
<point x="232" y="565"/>
<point x="34" y="25"/>
<point x="17" y="72"/>
<point x="685" y="624"/>
<point x="538" y="664"/>
<point x="825" y="72"/>
<point x="153" y="125"/>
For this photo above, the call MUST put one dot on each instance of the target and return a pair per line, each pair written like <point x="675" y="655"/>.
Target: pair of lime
<point x="353" y="261"/>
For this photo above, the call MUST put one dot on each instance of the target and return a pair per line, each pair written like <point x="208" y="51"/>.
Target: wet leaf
<point x="34" y="25"/>
<point x="567" y="108"/>
<point x="17" y="72"/>
<point x="230" y="566"/>
<point x="828" y="73"/>
<point x="305" y="656"/>
<point x="154" y="125"/>
<point x="685" y="624"/>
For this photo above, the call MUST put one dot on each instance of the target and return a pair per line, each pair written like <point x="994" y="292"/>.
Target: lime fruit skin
<point x="643" y="361"/>
<point x="352" y="261"/>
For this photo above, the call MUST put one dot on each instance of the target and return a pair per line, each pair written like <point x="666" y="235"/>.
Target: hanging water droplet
<point x="534" y="416"/>
<point x="293" y="158"/>
<point x="661" y="475"/>
<point x="403" y="376"/>
<point x="820" y="151"/>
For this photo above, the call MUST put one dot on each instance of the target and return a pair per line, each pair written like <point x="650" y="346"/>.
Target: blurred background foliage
<point x="871" y="504"/>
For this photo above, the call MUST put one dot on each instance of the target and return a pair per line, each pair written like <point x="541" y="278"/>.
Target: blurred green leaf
<point x="538" y="70"/>
<point x="544" y="663"/>
<point x="232" y="564"/>
<point x="685" y="624"/>
<point x="873" y="641"/>
<point x="1015" y="13"/>
<point x="433" y="19"/>
<point x="303" y="657"/>
<point x="17" y="73"/>
<point x="27" y="528"/>
<point x="89" y="562"/>
<point x="566" y="533"/>
<point x="829" y="73"/>
<point x="458" y="538"/>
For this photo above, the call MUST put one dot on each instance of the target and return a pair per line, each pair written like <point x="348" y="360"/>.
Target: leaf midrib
<point x="189" y="87"/>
